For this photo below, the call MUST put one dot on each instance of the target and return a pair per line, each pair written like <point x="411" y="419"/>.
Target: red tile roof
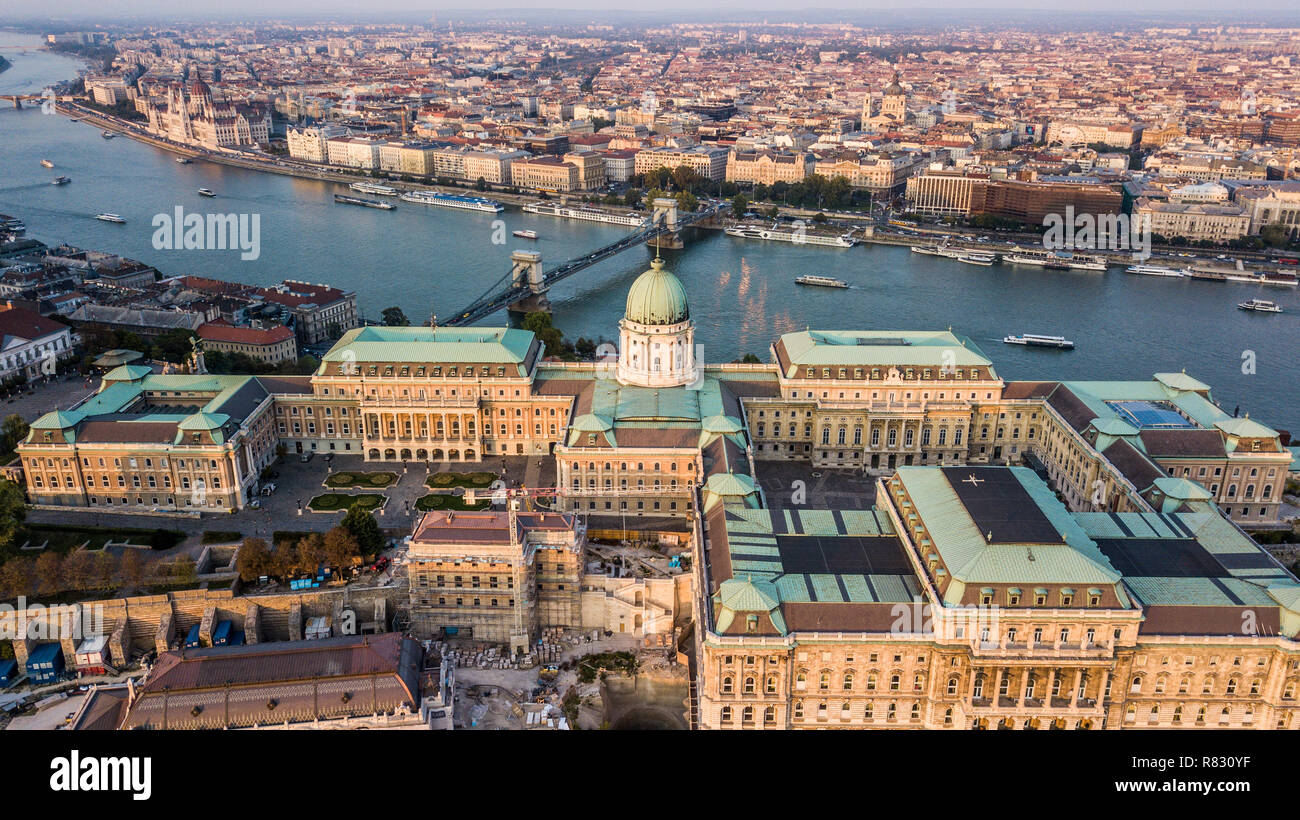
<point x="244" y="335"/>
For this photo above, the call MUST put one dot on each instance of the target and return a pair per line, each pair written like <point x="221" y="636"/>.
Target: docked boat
<point x="982" y="258"/>
<point x="630" y="220"/>
<point x="464" y="203"/>
<point x="182" y="160"/>
<point x="107" y="217"/>
<point x="1055" y="260"/>
<point x="206" y="192"/>
<point x="1037" y="340"/>
<point x="821" y="281"/>
<point x="365" y="203"/>
<point x="108" y="135"/>
<point x="373" y="188"/>
<point x="12" y="224"/>
<point x="47" y="163"/>
<point x="525" y="234"/>
<point x="926" y="251"/>
<point x="845" y="240"/>
<point x="1155" y="270"/>
<point x="60" y="181"/>
<point x="1260" y="306"/>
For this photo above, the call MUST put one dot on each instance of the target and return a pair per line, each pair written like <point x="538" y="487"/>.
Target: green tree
<point x="687" y="201"/>
<point x="1274" y="235"/>
<point x="12" y="432"/>
<point x="481" y="184"/>
<point x="13" y="509"/>
<point x="394" y="317"/>
<point x="173" y="346"/>
<point x="739" y="205"/>
<point x="363" y="527"/>
<point x="254" y="559"/>
<point x="539" y="324"/>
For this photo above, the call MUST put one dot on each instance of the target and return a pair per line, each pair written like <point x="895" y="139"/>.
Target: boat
<point x="845" y="240"/>
<point x="1054" y="260"/>
<point x="1155" y="270"/>
<point x="464" y="203"/>
<point x="341" y="199"/>
<point x="982" y="258"/>
<point x="630" y="220"/>
<point x="60" y="181"/>
<point x="107" y="217"/>
<point x="206" y="192"/>
<point x="1260" y="306"/>
<point x="927" y="251"/>
<point x="821" y="281"/>
<point x="182" y="160"/>
<point x="525" y="234"/>
<point x="1037" y="340"/>
<point x="47" y="163"/>
<point x="108" y="135"/>
<point x="373" y="188"/>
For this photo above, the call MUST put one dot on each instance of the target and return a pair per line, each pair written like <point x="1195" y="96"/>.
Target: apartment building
<point x="767" y="167"/>
<point x="545" y="173"/>
<point x="271" y="345"/>
<point x="708" y="162"/>
<point x="1194" y="221"/>
<point x="309" y="143"/>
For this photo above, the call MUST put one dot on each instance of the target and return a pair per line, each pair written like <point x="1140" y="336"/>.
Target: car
<point x="307" y="456"/>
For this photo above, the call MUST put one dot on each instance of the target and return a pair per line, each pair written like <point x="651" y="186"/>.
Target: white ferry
<point x="372" y="188"/>
<point x="107" y="217"/>
<point x="1260" y="306"/>
<point x="206" y="192"/>
<point x="845" y="240"/>
<point x="1155" y="270"/>
<point x="525" y="234"/>
<point x="1036" y="340"/>
<point x="982" y="258"/>
<point x="821" y="281"/>
<point x="464" y="203"/>
<point x="1054" y="260"/>
<point x="631" y="220"/>
<point x="927" y="251"/>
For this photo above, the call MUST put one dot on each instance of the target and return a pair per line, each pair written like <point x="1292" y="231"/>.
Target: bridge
<point x="18" y="99"/>
<point x="527" y="286"/>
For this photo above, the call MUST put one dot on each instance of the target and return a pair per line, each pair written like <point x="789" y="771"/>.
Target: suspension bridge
<point x="523" y="289"/>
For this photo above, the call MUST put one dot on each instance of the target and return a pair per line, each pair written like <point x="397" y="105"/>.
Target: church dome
<point x="894" y="89"/>
<point x="657" y="298"/>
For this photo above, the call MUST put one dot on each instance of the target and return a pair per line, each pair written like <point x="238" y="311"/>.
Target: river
<point x="742" y="291"/>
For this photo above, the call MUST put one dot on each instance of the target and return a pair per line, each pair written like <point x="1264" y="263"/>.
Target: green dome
<point x="657" y="298"/>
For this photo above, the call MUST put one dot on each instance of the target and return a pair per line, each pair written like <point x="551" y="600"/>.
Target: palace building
<point x="971" y="597"/>
<point x="640" y="435"/>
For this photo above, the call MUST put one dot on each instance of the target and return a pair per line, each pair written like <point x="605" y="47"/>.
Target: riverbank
<point x="272" y="165"/>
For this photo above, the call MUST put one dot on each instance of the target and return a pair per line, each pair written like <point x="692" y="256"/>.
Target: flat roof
<point x="1000" y="506"/>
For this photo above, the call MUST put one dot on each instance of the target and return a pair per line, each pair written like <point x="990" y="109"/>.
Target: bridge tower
<point x="526" y="273"/>
<point x="665" y="214"/>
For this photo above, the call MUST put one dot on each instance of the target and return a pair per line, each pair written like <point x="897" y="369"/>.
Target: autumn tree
<point x="254" y="559"/>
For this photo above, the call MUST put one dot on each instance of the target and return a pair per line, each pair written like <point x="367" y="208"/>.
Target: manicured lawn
<point x="338" y="502"/>
<point x="460" y="479"/>
<point x="435" y="501"/>
<point x="361" y="480"/>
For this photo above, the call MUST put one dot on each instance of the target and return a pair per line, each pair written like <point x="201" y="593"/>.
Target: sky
<point x="784" y="9"/>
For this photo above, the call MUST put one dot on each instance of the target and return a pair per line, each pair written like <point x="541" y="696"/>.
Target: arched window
<point x="728" y="684"/>
<point x="750" y="683"/>
<point x="725" y="715"/>
<point x="1136" y="686"/>
<point x="953" y="683"/>
<point x="824" y="682"/>
<point x="769" y="715"/>
<point x="848" y="680"/>
<point x="770" y="685"/>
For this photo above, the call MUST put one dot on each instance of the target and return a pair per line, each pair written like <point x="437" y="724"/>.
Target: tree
<point x="131" y="570"/>
<point x="739" y="205"/>
<point x="16" y="577"/>
<point x="1274" y="235"/>
<point x="340" y="547"/>
<point x="173" y="346"/>
<point x="481" y="184"/>
<point x="363" y="527"/>
<point x="13" y="509"/>
<point x="687" y="201"/>
<point x="79" y="570"/>
<point x="49" y="573"/>
<point x="311" y="552"/>
<point x="254" y="559"/>
<point x="394" y="317"/>
<point x="105" y="567"/>
<point x="12" y="432"/>
<point x="539" y="324"/>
